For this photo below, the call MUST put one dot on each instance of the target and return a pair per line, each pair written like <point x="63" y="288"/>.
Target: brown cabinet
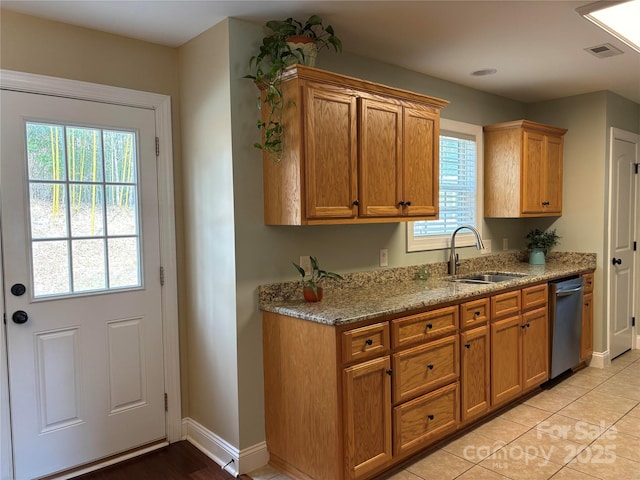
<point x="586" y="346"/>
<point x="354" y="152"/>
<point x="522" y="170"/>
<point x="475" y="369"/>
<point x="519" y="344"/>
<point x="367" y="417"/>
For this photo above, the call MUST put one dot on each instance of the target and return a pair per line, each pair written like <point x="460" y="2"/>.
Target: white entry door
<point x="81" y="269"/>
<point x="622" y="246"/>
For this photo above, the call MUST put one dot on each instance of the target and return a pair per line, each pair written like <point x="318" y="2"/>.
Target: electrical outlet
<point x="384" y="257"/>
<point x="305" y="263"/>
<point x="505" y="244"/>
<point x="487" y="247"/>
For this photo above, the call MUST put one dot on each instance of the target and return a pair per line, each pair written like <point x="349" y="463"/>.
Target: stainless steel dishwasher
<point x="565" y="301"/>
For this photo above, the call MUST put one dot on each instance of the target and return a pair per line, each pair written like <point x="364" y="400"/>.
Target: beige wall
<point x="33" y="45"/>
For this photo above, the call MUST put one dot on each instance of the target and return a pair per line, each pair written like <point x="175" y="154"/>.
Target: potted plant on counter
<point x="289" y="42"/>
<point x="539" y="243"/>
<point x="312" y="286"/>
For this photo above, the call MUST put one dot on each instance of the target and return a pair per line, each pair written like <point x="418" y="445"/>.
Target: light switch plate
<point x="384" y="257"/>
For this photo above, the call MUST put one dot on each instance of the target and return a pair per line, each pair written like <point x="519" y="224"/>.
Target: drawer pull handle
<point x="368" y="341"/>
<point x="430" y="366"/>
<point x="389" y="372"/>
<point x="429" y="326"/>
<point x="431" y="417"/>
<point x="467" y="345"/>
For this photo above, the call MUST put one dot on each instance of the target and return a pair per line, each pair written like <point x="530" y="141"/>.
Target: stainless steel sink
<point x="487" y="278"/>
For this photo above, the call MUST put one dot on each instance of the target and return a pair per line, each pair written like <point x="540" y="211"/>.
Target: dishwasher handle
<point x="565" y="293"/>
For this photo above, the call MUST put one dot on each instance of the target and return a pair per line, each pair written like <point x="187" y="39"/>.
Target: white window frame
<point x="465" y="238"/>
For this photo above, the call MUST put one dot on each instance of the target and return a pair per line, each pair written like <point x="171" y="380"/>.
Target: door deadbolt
<point x="18" y="289"/>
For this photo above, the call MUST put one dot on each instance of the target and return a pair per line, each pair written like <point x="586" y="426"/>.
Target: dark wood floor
<point x="178" y="461"/>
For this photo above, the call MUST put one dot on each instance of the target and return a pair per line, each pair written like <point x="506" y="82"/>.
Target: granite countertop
<point x="367" y="295"/>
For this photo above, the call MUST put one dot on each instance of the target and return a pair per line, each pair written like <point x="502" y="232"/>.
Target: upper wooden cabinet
<point x="354" y="152"/>
<point x="522" y="170"/>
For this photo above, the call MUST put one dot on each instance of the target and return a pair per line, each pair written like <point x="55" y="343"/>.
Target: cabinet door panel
<point x="533" y="172"/>
<point x="367" y="416"/>
<point x="475" y="369"/>
<point x="506" y="360"/>
<point x="553" y="186"/>
<point x="535" y="348"/>
<point x="587" y="327"/>
<point x="330" y="153"/>
<point x="380" y="158"/>
<point x="421" y="162"/>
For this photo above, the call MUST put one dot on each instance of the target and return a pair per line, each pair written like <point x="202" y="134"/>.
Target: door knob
<point x="18" y="289"/>
<point x="20" y="317"/>
<point x="616" y="261"/>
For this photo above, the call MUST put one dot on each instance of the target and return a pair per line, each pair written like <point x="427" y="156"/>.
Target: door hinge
<point x="161" y="276"/>
<point x="635" y="246"/>
<point x="637" y="167"/>
<point x="158" y="148"/>
<point x="166" y="402"/>
<point x="633" y="321"/>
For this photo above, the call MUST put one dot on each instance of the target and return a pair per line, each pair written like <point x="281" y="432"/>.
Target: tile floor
<point x="586" y="427"/>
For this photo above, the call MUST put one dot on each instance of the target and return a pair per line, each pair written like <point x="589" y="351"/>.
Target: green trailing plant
<point x="266" y="71"/>
<point x="317" y="276"/>
<point x="536" y="238"/>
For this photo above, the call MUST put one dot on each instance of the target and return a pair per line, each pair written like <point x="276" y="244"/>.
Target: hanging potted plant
<point x="539" y="243"/>
<point x="312" y="286"/>
<point x="290" y="42"/>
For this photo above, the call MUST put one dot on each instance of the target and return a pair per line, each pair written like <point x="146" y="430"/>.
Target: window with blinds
<point x="459" y="180"/>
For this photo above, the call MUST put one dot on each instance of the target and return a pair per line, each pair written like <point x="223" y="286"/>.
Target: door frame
<point x="635" y="336"/>
<point x="161" y="104"/>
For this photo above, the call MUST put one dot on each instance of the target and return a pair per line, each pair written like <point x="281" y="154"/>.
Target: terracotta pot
<point x="310" y="296"/>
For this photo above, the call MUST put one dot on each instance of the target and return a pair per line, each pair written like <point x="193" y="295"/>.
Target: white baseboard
<point x="234" y="461"/>
<point x="600" y="359"/>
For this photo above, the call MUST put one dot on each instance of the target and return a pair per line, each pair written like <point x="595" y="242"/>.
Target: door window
<point x="83" y="209"/>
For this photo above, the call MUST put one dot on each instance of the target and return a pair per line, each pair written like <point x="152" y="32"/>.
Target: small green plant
<point x="317" y="275"/>
<point x="536" y="238"/>
<point x="266" y="71"/>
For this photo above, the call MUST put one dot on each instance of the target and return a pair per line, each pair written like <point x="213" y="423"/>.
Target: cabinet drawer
<point x="365" y="342"/>
<point x="422" y="326"/>
<point x="588" y="282"/>
<point x="425" y="419"/>
<point x="505" y="304"/>
<point x="421" y="369"/>
<point x="474" y="313"/>
<point x="535" y="297"/>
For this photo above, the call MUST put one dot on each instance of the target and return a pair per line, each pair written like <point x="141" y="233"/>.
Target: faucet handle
<point x="457" y="260"/>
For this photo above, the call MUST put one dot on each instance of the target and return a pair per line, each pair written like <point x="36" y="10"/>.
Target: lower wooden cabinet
<point x="424" y="420"/>
<point x="367" y="416"/>
<point x="475" y="369"/>
<point x="506" y="360"/>
<point x="586" y="346"/>
<point x="535" y="348"/>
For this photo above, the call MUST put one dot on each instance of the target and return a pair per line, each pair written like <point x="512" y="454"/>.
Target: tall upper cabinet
<point x="523" y="170"/>
<point x="354" y="152"/>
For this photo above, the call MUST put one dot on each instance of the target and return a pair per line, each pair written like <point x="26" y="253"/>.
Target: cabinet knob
<point x="545" y="204"/>
<point x="368" y="341"/>
<point x="429" y="326"/>
<point x="430" y="366"/>
<point x="355" y="203"/>
<point x="586" y="304"/>
<point x="467" y="345"/>
<point x="389" y="372"/>
<point x="408" y="204"/>
<point x="431" y="417"/>
<point x="401" y="203"/>
<point x="523" y="326"/>
<point x="476" y="314"/>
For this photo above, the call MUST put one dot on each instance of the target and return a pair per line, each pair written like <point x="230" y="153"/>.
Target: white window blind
<point x="459" y="203"/>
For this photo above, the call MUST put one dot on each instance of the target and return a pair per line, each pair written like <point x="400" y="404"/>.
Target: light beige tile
<point x="481" y="473"/>
<point x="570" y="474"/>
<point x="501" y="429"/>
<point x="607" y="401"/>
<point x="439" y="464"/>
<point x="266" y="472"/>
<point x="624" y="358"/>
<point x="635" y="412"/>
<point x="628" y="378"/>
<point x="629" y="425"/>
<point x="570" y="391"/>
<point x="577" y="431"/>
<point x="597" y="372"/>
<point x="526" y="415"/>
<point x="618" y="387"/>
<point x="594" y="414"/>
<point x="605" y="465"/>
<point x="549" y="401"/>
<point x="517" y="464"/>
<point x="402" y="475"/>
<point x="473" y="446"/>
<point x="584" y="381"/>
<point x="555" y="449"/>
<point x="618" y="443"/>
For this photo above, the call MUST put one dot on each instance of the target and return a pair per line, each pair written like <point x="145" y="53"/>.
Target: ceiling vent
<point x="605" y="50"/>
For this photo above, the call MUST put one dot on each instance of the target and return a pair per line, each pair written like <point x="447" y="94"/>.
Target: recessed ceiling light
<point x="619" y="19"/>
<point x="484" y="72"/>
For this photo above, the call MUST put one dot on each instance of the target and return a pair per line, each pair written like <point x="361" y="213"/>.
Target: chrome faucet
<point x="453" y="257"/>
